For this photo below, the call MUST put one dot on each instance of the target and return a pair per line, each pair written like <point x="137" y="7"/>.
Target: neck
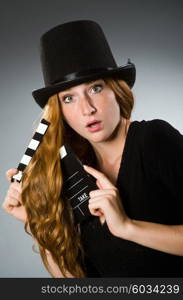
<point x="109" y="151"/>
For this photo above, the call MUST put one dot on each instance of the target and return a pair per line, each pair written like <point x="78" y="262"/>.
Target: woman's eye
<point x="67" y="99"/>
<point x="97" y="88"/>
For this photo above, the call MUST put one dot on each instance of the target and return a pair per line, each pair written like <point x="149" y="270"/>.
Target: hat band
<point x="84" y="73"/>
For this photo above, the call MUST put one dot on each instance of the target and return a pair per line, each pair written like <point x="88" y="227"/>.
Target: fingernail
<point x="85" y="166"/>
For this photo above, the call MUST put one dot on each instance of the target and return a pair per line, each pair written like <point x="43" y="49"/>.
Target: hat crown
<point x="74" y="47"/>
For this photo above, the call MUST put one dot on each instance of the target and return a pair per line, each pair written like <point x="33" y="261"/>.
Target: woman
<point x="135" y="228"/>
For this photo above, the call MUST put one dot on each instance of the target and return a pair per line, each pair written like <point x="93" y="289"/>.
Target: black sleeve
<point x="165" y="149"/>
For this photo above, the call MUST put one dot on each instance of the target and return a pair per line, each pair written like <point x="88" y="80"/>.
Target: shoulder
<point x="160" y="126"/>
<point x="159" y="136"/>
<point x="155" y="137"/>
<point x="152" y="131"/>
<point x="155" y="126"/>
<point x="152" y="126"/>
<point x="160" y="131"/>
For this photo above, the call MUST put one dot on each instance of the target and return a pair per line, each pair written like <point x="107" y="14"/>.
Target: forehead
<point x="83" y="85"/>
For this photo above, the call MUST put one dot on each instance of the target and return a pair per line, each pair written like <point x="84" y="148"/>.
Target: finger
<point x="16" y="186"/>
<point x="95" y="210"/>
<point x="105" y="192"/>
<point x="10" y="173"/>
<point x="96" y="198"/>
<point x="14" y="194"/>
<point x="100" y="202"/>
<point x="103" y="180"/>
<point x="97" y="213"/>
<point x="9" y="203"/>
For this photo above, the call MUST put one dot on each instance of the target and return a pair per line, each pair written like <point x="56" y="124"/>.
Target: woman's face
<point x="91" y="102"/>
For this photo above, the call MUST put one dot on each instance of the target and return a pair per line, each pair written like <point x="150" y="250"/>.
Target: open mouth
<point x="94" y="124"/>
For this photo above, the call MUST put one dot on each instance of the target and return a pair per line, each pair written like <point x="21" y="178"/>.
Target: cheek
<point x="71" y="119"/>
<point x="68" y="114"/>
<point x="112" y="108"/>
<point x="116" y="110"/>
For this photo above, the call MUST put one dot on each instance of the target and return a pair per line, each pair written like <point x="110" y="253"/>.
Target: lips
<point x="92" y="123"/>
<point x="94" y="126"/>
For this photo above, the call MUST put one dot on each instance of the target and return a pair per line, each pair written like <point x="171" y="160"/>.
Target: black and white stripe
<point x="31" y="149"/>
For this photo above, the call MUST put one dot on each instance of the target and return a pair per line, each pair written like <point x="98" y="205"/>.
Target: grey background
<point x="148" y="32"/>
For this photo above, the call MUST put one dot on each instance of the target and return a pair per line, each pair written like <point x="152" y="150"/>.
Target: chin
<point x="100" y="138"/>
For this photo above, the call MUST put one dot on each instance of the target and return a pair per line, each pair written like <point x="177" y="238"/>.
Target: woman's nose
<point x="87" y="106"/>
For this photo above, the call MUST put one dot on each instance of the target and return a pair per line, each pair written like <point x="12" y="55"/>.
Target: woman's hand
<point x="13" y="202"/>
<point x="106" y="203"/>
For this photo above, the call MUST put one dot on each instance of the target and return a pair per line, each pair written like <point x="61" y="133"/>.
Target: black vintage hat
<point x="76" y="52"/>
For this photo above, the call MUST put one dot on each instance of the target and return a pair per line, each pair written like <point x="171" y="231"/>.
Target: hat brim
<point x="127" y="73"/>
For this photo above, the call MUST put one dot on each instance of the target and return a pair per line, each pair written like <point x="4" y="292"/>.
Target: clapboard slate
<point x="77" y="183"/>
<point x="31" y="149"/>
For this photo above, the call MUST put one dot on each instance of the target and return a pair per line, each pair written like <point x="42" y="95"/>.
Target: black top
<point x="151" y="189"/>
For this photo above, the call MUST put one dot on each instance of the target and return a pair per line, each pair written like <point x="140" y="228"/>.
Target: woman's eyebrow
<point x="91" y="82"/>
<point x="87" y="83"/>
<point x="99" y="81"/>
<point x="65" y="92"/>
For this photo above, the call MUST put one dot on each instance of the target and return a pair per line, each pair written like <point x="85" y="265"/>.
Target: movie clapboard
<point x="77" y="183"/>
<point x="31" y="149"/>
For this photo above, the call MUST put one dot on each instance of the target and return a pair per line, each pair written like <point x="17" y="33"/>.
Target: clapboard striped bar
<point x="31" y="149"/>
